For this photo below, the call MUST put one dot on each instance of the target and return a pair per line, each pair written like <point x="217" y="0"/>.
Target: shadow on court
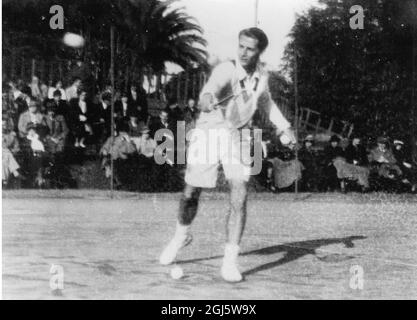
<point x="293" y="251"/>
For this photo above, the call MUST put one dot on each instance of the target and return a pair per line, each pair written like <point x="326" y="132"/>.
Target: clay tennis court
<point x="294" y="247"/>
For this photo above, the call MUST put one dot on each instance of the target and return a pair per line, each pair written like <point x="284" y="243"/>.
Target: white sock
<point x="181" y="231"/>
<point x="231" y="252"/>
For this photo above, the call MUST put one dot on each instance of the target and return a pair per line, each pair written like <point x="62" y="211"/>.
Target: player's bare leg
<point x="235" y="225"/>
<point x="186" y="214"/>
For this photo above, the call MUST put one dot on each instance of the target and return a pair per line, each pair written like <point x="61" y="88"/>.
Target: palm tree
<point x="149" y="33"/>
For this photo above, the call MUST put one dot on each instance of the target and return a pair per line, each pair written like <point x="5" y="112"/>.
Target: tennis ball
<point x="73" y="40"/>
<point x="177" y="273"/>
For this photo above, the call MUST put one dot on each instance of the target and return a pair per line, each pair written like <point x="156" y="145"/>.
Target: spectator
<point x="174" y="111"/>
<point x="135" y="126"/>
<point x="332" y="152"/>
<point x="81" y="118"/>
<point x="120" y="149"/>
<point x="309" y="158"/>
<point x="72" y="91"/>
<point x="190" y="115"/>
<point x="145" y="146"/>
<point x="57" y="131"/>
<point x="138" y="101"/>
<point x="353" y="167"/>
<point x="82" y="72"/>
<point x="163" y="122"/>
<point x="10" y="148"/>
<point x="36" y="155"/>
<point x="384" y="160"/>
<point x="33" y="117"/>
<point x="102" y="115"/>
<point x="22" y="99"/>
<point x="61" y="106"/>
<point x="58" y="86"/>
<point x="285" y="168"/>
<point x="356" y="152"/>
<point x="123" y="109"/>
<point x="406" y="165"/>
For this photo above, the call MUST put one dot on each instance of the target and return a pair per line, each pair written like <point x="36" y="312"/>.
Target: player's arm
<point x="220" y="77"/>
<point x="281" y="123"/>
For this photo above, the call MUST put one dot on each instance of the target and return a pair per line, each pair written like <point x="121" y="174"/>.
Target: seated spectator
<point x="57" y="131"/>
<point x="309" y="158"/>
<point x="34" y="117"/>
<point x="36" y="155"/>
<point x="58" y="86"/>
<point x="10" y="148"/>
<point x="332" y="152"/>
<point x="406" y="165"/>
<point x="384" y="160"/>
<point x="135" y="126"/>
<point x="61" y="106"/>
<point x="190" y="115"/>
<point x="145" y="146"/>
<point x="163" y="122"/>
<point x="118" y="148"/>
<point x="353" y="167"/>
<point x="102" y="118"/>
<point x="285" y="168"/>
<point x="81" y="119"/>
<point x="22" y="98"/>
<point x="356" y="153"/>
<point x="122" y="108"/>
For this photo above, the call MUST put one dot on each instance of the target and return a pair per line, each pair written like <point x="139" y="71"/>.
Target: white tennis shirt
<point x="231" y="78"/>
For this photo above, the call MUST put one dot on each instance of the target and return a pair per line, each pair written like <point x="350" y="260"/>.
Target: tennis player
<point x="246" y="83"/>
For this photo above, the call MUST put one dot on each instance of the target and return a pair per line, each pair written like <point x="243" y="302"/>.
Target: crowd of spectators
<point x="43" y="127"/>
<point x="342" y="165"/>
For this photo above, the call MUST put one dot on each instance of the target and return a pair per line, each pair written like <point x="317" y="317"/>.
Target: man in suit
<point x="57" y="130"/>
<point x="123" y="109"/>
<point x="137" y="99"/>
<point x="103" y="118"/>
<point x="61" y="106"/>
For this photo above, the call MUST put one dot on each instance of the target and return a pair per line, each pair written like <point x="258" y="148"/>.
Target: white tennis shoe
<point x="229" y="270"/>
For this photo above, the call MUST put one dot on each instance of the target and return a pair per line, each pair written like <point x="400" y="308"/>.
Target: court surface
<point x="304" y="247"/>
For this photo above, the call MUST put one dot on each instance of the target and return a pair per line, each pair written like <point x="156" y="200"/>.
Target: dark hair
<point x="257" y="34"/>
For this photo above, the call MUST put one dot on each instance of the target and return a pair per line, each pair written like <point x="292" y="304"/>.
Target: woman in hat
<point x="353" y="167"/>
<point x="382" y="158"/>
